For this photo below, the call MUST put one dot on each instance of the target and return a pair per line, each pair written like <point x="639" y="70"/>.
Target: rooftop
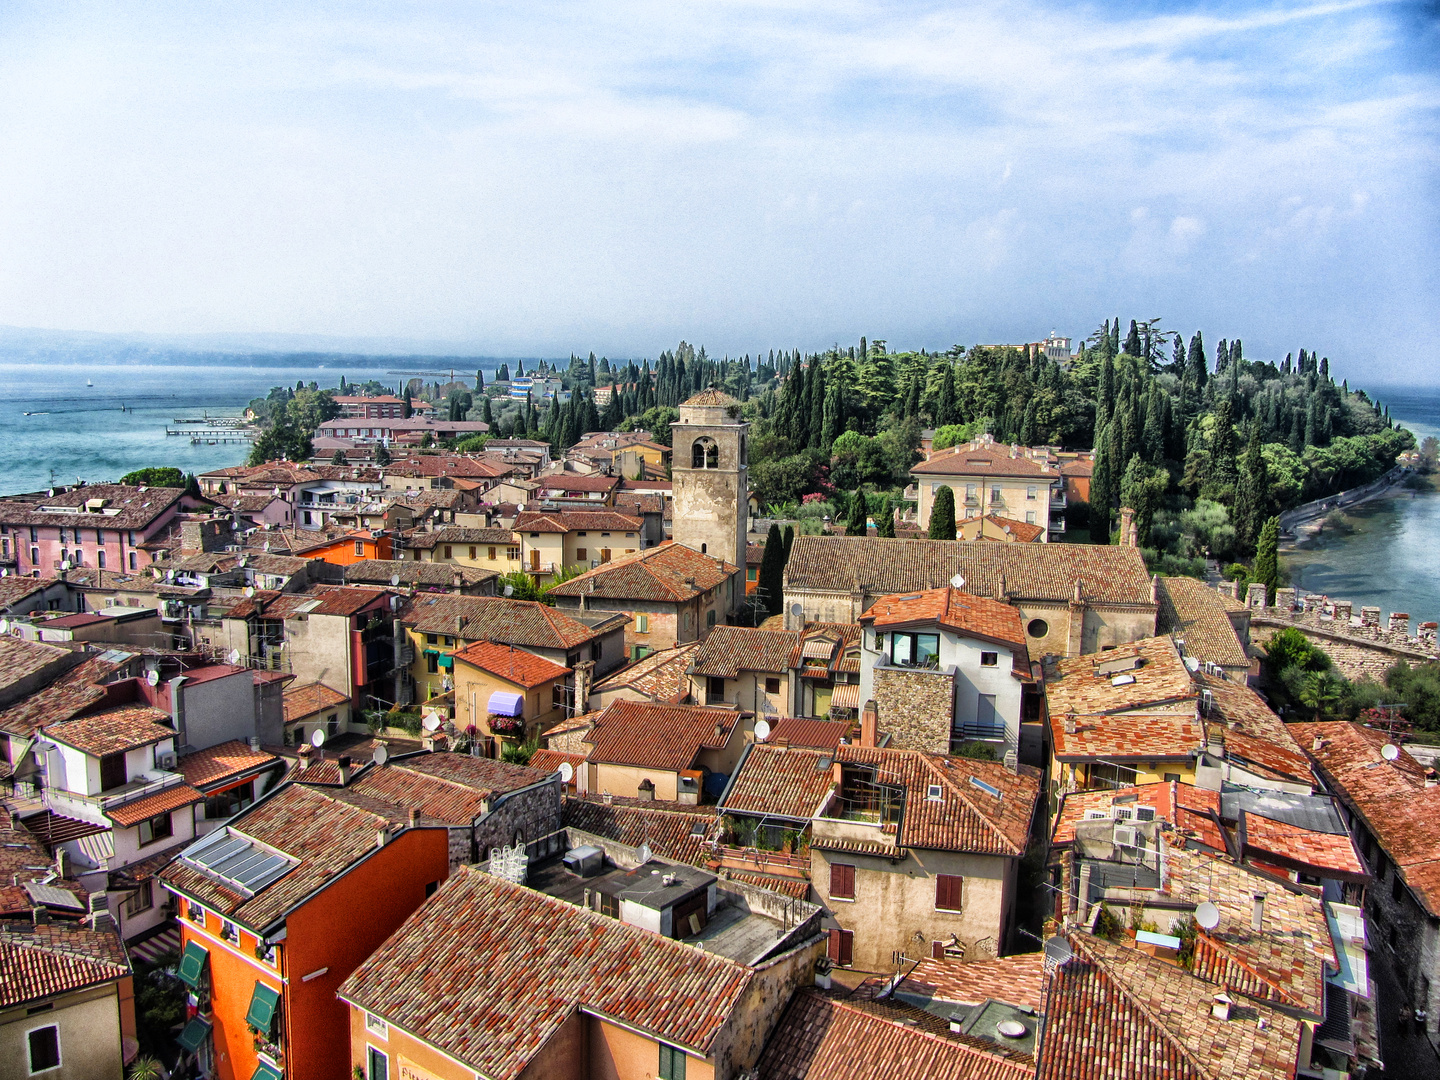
<point x="311" y="698"/>
<point x="664" y="737"/>
<point x="1196" y="613"/>
<point x="445" y="789"/>
<point x="511" y="664"/>
<point x="983" y="459"/>
<point x="670" y="573"/>
<point x="1253" y="733"/>
<point x="113" y="731"/>
<point x="122" y="506"/>
<point x="778" y="781"/>
<point x="494" y="1005"/>
<point x="227" y="761"/>
<point x="71" y="693"/>
<point x="41" y="961"/>
<point x="1103" y="573"/>
<point x="804" y="731"/>
<point x="411" y="572"/>
<point x="951" y="609"/>
<point x="662" y="676"/>
<point x="565" y="521"/>
<point x="1183" y="805"/>
<point x="729" y="650"/>
<point x="673" y="831"/>
<point x="514" y="622"/>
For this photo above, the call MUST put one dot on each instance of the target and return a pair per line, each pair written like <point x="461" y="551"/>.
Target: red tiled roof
<point x="1114" y="1013"/>
<point x="519" y="962"/>
<point x="729" y="650"/>
<point x="307" y="700"/>
<point x="562" y="521"/>
<point x="517" y="622"/>
<point x="41" y="961"/>
<point x="162" y="802"/>
<point x="1170" y="801"/>
<point x="981" y="459"/>
<point x="1196" y="613"/>
<point x="1292" y="844"/>
<point x="217" y="764"/>
<point x="665" y="737"/>
<point x="805" y="731"/>
<point x="137" y="507"/>
<point x="1024" y="531"/>
<point x="73" y="692"/>
<point x="1016" y="979"/>
<point x="782" y="782"/>
<point x="563" y="482"/>
<point x="824" y="1038"/>
<point x="511" y="664"/>
<point x="662" y="676"/>
<point x="952" y="609"/>
<point x="445" y="788"/>
<point x="675" y="831"/>
<point x="113" y="730"/>
<point x="549" y="761"/>
<point x="670" y="573"/>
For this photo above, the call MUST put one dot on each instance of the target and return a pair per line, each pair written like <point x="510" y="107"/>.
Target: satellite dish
<point x="1390" y="751"/>
<point x="1057" y="953"/>
<point x="958" y="581"/>
<point x="797" y="610"/>
<point x="234" y="656"/>
<point x="762" y="730"/>
<point x="249" y="590"/>
<point x="317" y="738"/>
<point x="1207" y="915"/>
<point x="644" y="853"/>
<point x="509" y="590"/>
<point x="380" y="755"/>
<point x="152" y="677"/>
<point x="431" y="722"/>
<point x="394" y="580"/>
<point x="566" y="771"/>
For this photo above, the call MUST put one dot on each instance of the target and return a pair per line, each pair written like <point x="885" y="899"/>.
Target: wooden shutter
<point x="841" y="947"/>
<point x="112" y="771"/>
<point x="937" y="950"/>
<point x="947" y="892"/>
<point x="842" y="881"/>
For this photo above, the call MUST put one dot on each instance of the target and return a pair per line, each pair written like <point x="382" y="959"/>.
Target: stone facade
<point x="711" y="475"/>
<point x="915" y="706"/>
<point x="535" y="813"/>
<point x="1359" y="645"/>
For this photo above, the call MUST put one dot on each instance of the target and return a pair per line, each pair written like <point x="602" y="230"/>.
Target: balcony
<point x="1057" y="524"/>
<point x="93" y="808"/>
<point x="1058" y="501"/>
<point x="965" y="732"/>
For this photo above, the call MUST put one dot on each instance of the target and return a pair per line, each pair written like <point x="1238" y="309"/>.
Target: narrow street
<point x="1408" y="1055"/>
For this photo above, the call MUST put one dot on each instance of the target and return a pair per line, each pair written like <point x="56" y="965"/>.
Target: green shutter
<point x="194" y="1035"/>
<point x="192" y="964"/>
<point x="262" y="1007"/>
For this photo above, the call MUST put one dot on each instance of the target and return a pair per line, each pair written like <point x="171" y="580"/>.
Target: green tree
<point x="856" y="524"/>
<point x="885" y="519"/>
<point x="406" y="408"/>
<point x="942" y="515"/>
<point x="1142" y="489"/>
<point x="1253" y="491"/>
<point x="1101" y="484"/>
<point x="382" y="457"/>
<point x="1267" y="558"/>
<point x="155" y="476"/>
<point x="337" y="458"/>
<point x="789" y="540"/>
<point x="1322" y="692"/>
<point x="771" y="579"/>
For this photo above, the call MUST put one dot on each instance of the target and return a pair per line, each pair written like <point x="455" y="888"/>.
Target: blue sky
<point x="541" y="177"/>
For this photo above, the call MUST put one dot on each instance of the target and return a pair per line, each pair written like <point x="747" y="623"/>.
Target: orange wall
<point x="338" y="929"/>
<point x="342" y="552"/>
<point x="617" y="1053"/>
<point x="397" y="1045"/>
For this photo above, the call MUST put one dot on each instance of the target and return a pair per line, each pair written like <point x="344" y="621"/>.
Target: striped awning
<point x="818" y="649"/>
<point x="845" y="696"/>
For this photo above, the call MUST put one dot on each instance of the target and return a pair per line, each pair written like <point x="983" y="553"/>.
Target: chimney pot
<point x="382" y="837"/>
<point x="870" y="724"/>
<point x="414" y="818"/>
<point x="40" y="915"/>
<point x="344" y="764"/>
<point x="1070" y="725"/>
<point x="1257" y="912"/>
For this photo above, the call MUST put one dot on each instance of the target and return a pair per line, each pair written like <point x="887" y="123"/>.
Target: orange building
<point x="349" y="549"/>
<point x="276" y="909"/>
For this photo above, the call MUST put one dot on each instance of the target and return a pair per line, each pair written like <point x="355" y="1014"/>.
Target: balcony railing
<point x="966" y="731"/>
<point x="1057" y="524"/>
<point x="93" y="808"/>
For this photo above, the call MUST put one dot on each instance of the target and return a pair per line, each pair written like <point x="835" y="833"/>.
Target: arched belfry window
<point x="704" y="454"/>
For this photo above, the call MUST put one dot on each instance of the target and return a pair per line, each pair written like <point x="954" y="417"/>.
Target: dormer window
<point x="932" y="793"/>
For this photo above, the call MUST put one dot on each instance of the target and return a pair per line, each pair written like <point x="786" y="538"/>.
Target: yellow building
<point x="586" y="539"/>
<point x="507" y="693"/>
<point x="483" y="549"/>
<point x="662" y="752"/>
<point x="994" y="479"/>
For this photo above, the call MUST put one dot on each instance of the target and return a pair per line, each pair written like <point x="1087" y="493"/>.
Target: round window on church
<point x="1038" y="628"/>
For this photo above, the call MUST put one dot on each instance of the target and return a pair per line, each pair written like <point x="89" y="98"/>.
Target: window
<point x="995" y="495"/>
<point x="704" y="454"/>
<point x="971" y="491"/>
<point x="1030" y="491"/>
<point x="1397" y="888"/>
<point x="710" y="618"/>
<point x="1037" y="628"/>
<point x="229" y="803"/>
<point x="157" y="828"/>
<point x="142" y="899"/>
<point x="449" y="642"/>
<point x="642" y="624"/>
<point x="842" y="881"/>
<point x="132" y="560"/>
<point x="580" y="553"/>
<point x="447" y="551"/>
<point x="35" y="535"/>
<point x="379" y="1065"/>
<point x="44" y="1049"/>
<point x="915" y="650"/>
<point x="492" y="554"/>
<point x="35" y="556"/>
<point x="934" y="792"/>
<point x="772" y="685"/>
<point x="947" y="892"/>
<point x="376" y="1026"/>
<point x="360" y="547"/>
<point x="1172" y="776"/>
<point x="62" y="536"/>
<point x="511" y="553"/>
<point x="1112" y="776"/>
<point x="112" y="771"/>
<point x="230" y="932"/>
<point x="308" y="519"/>
<point x="432" y="639"/>
<point x="474" y="549"/>
<point x="841" y="947"/>
<point x="752" y="573"/>
<point x="989" y="659"/>
<point x="604" y="555"/>
<point x="432" y="663"/>
<point x="672" y="1063"/>
<point x="1029" y="517"/>
<point x="100" y="558"/>
<point x="195" y="913"/>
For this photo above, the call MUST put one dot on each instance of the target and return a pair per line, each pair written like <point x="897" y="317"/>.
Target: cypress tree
<point x="479" y="379"/>
<point x="1132" y="340"/>
<point x="1177" y="357"/>
<point x="1105" y="394"/>
<point x="1222" y="356"/>
<point x="487" y="413"/>
<point x="382" y="456"/>
<point x="885" y="519"/>
<point x="1252" y="494"/>
<point x="817" y="409"/>
<point x="834" y="417"/>
<point x="771" y="579"/>
<point x="1196" y="361"/>
<point x="1154" y="436"/>
<point x="789" y="540"/>
<point x="405" y="407"/>
<point x="1115" y="336"/>
<point x="337" y="458"/>
<point x="1100" y="484"/>
<point x="945" y="407"/>
<point x="856" y="524"/>
<point x="1267" y="560"/>
<point x="942" y="515"/>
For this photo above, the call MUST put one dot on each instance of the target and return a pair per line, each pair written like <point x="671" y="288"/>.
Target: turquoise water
<point x="1387" y="556"/>
<point x="77" y="430"/>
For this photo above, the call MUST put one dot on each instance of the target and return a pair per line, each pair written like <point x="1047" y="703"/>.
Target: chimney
<point x="1317" y="743"/>
<point x="459" y="624"/>
<point x="1012" y="761"/>
<point x="382" y="836"/>
<point x="40" y="915"/>
<point x="414" y="818"/>
<point x="1257" y="912"/>
<point x="1070" y="726"/>
<point x="62" y="862"/>
<point x="1220" y="1007"/>
<point x="1128" y="536"/>
<point x="1000" y="587"/>
<point x="870" y="724"/>
<point x="344" y="763"/>
<point x="645" y="791"/>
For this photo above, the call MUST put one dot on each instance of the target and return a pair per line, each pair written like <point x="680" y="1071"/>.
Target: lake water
<point x="1388" y="557"/>
<point x="76" y="430"/>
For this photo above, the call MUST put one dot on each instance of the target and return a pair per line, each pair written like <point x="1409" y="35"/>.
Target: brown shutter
<point x="947" y="891"/>
<point x="842" y="881"/>
<point x="847" y="947"/>
<point x="937" y="950"/>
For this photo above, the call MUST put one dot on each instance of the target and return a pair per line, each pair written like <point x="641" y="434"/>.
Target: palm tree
<point x="1321" y="691"/>
<point x="146" y="1068"/>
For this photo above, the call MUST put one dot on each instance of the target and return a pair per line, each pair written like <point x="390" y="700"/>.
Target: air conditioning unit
<point x="1124" y="813"/>
<point x="165" y="761"/>
<point x="1096" y="815"/>
<point x="1125" y="836"/>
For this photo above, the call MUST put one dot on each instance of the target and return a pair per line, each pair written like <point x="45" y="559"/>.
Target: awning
<point x="845" y="696"/>
<point x="192" y="964"/>
<point x="266" y="1072"/>
<point x="446" y="661"/>
<point x="262" y="1006"/>
<point x="818" y="649"/>
<point x="194" y="1035"/>
<point x="504" y="703"/>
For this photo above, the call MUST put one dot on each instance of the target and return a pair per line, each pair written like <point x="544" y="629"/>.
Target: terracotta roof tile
<point x="1253" y="732"/>
<point x="781" y="782"/>
<point x="564" y="521"/>
<point x="805" y="731"/>
<point x="672" y="830"/>
<point x="162" y="802"/>
<point x="666" y="737"/>
<point x="309" y="699"/>
<point x="729" y="650"/>
<point x="1171" y="801"/>
<point x="511" y="664"/>
<point x="40" y="961"/>
<point x="1193" y="611"/>
<point x="952" y="609"/>
<point x="670" y="573"/>
<point x="217" y="764"/>
<point x="513" y="622"/>
<point x="549" y="761"/>
<point x="1016" y="979"/>
<point x="73" y="692"/>
<point x="410" y="572"/>
<point x="1291" y="844"/>
<point x="1024" y="532"/>
<point x="710" y="398"/>
<point x="662" y="676"/>
<point x="823" y="1038"/>
<point x="519" y="964"/>
<point x="113" y="730"/>
<point x="426" y="540"/>
<point x="980" y="459"/>
<point x="852" y="564"/>
<point x="138" y="507"/>
<point x="14" y="588"/>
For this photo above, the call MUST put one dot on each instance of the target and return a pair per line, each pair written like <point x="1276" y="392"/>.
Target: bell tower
<point x="709" y="467"/>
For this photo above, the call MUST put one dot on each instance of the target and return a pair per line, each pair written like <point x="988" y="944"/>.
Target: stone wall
<point x="915" y="706"/>
<point x="1358" y="644"/>
<point x="535" y="813"/>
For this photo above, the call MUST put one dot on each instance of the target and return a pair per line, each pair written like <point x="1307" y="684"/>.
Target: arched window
<point x="704" y="454"/>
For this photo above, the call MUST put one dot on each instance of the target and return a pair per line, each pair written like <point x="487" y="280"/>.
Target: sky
<point x="539" y="178"/>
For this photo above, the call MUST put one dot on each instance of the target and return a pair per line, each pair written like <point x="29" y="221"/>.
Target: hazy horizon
<point x="541" y="179"/>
